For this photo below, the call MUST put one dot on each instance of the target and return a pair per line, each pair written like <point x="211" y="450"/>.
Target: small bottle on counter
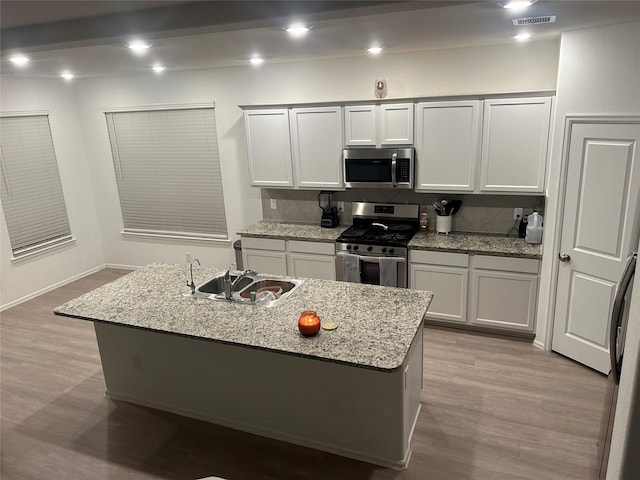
<point x="424" y="221"/>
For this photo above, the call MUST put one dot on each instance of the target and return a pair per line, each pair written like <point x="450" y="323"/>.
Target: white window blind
<point x="168" y="172"/>
<point x="31" y="193"/>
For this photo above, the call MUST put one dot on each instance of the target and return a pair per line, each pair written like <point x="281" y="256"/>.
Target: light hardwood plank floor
<point x="493" y="408"/>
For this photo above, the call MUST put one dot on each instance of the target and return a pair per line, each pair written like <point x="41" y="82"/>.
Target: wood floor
<point x="493" y="408"/>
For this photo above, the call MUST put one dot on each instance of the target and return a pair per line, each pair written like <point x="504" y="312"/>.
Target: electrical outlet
<point x="517" y="213"/>
<point x="340" y="206"/>
<point x="187" y="257"/>
<point x="274" y="204"/>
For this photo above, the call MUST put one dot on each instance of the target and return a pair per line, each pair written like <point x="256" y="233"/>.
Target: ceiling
<point x="88" y="37"/>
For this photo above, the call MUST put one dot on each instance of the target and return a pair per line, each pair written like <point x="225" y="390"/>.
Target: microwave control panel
<point x="403" y="170"/>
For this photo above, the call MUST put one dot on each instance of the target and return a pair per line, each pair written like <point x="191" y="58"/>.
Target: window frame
<point x="117" y="166"/>
<point x="50" y="244"/>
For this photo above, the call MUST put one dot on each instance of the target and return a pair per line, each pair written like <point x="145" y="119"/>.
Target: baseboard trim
<point x="59" y="284"/>
<point x="121" y="266"/>
<point x="539" y="344"/>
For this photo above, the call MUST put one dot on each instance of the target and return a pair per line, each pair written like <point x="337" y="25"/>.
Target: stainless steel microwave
<point x="378" y="167"/>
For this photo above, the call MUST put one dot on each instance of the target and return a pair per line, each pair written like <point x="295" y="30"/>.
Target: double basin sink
<point x="249" y="289"/>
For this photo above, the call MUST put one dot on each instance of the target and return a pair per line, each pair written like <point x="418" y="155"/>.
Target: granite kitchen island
<point x="354" y="391"/>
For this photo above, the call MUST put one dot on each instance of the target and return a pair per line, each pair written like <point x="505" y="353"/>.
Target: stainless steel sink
<point x="216" y="284"/>
<point x="259" y="290"/>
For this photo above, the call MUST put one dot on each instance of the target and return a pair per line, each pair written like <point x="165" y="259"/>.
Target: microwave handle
<point x="394" y="161"/>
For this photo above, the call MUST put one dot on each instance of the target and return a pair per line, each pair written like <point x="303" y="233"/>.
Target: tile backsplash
<point x="479" y="213"/>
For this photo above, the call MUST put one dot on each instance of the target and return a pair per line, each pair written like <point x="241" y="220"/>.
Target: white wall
<point x="599" y="73"/>
<point x="507" y="68"/>
<point x="25" y="278"/>
<point x="81" y="139"/>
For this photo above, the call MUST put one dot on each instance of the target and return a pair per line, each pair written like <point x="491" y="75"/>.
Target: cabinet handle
<point x="564" y="257"/>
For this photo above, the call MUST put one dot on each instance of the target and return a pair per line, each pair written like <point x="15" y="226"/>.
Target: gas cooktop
<point x="381" y="224"/>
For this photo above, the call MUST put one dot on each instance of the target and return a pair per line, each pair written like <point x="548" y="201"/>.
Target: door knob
<point x="564" y="257"/>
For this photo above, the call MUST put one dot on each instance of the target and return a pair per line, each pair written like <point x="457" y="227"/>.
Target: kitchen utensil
<point x="453" y="206"/>
<point x="330" y="216"/>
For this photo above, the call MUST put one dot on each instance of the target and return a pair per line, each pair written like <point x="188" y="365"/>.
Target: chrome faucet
<point x="228" y="284"/>
<point x="191" y="283"/>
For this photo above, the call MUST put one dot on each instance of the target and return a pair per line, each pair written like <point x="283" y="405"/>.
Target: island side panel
<point x="413" y="376"/>
<point x="356" y="412"/>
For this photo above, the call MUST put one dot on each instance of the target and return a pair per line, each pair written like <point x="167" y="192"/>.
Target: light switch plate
<point x="274" y="204"/>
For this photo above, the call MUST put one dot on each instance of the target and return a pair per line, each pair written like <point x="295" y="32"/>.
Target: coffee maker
<point x="330" y="215"/>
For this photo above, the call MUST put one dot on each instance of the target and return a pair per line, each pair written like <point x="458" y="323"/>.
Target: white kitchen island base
<point x="357" y="412"/>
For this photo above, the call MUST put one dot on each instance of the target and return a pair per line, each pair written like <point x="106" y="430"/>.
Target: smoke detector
<point x="534" y="20"/>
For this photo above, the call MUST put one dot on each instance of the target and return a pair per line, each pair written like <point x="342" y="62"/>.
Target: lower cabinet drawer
<point x="263" y="243"/>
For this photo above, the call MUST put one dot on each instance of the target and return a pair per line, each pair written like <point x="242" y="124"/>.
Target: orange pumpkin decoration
<point x="309" y="323"/>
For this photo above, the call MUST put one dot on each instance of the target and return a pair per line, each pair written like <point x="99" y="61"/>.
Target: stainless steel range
<point x="374" y="249"/>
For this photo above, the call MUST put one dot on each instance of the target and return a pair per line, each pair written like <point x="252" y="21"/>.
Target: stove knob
<point x="391" y="250"/>
<point x="384" y="249"/>
<point x="369" y="248"/>
<point x="355" y="247"/>
<point x="348" y="247"/>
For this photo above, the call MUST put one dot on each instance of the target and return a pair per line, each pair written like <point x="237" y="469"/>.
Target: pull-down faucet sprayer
<point x="191" y="283"/>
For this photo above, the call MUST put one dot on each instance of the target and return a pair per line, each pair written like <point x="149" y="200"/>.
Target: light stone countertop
<point x="477" y="243"/>
<point x="376" y="325"/>
<point x="292" y="231"/>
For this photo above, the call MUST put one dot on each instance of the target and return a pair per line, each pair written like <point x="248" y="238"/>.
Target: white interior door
<point x="599" y="231"/>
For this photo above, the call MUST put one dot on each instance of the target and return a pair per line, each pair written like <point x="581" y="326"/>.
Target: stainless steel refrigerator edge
<point x="624" y="459"/>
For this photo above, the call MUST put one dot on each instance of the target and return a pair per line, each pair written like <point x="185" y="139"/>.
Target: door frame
<point x="569" y="122"/>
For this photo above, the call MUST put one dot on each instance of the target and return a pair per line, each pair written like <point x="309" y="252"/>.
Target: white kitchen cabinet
<point x="316" y="144"/>
<point x="477" y="291"/>
<point x="448" y="145"/>
<point x="311" y="259"/>
<point x="504" y="293"/>
<point x="446" y="275"/>
<point x="290" y="257"/>
<point x="264" y="255"/>
<point x="360" y="125"/>
<point x="515" y="144"/>
<point x="379" y="125"/>
<point x="268" y="147"/>
<point x="396" y="124"/>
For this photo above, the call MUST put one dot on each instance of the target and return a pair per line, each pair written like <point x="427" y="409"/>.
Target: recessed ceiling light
<point x="521" y="37"/>
<point x="158" y="68"/>
<point x="297" y="29"/>
<point x="374" y="50"/>
<point x="67" y="75"/>
<point x="138" y="46"/>
<point x="19" y="60"/>
<point x="255" y="60"/>
<point x="517" y="4"/>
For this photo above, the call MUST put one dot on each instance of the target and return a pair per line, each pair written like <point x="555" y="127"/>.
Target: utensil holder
<point x="443" y="223"/>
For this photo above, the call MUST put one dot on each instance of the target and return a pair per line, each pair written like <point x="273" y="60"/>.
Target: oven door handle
<point x="375" y="259"/>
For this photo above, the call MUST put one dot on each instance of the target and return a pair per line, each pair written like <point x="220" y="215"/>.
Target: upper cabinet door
<point x="360" y="125"/>
<point x="515" y="144"/>
<point x="448" y="145"/>
<point x="317" y="142"/>
<point x="396" y="124"/>
<point x="268" y="147"/>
